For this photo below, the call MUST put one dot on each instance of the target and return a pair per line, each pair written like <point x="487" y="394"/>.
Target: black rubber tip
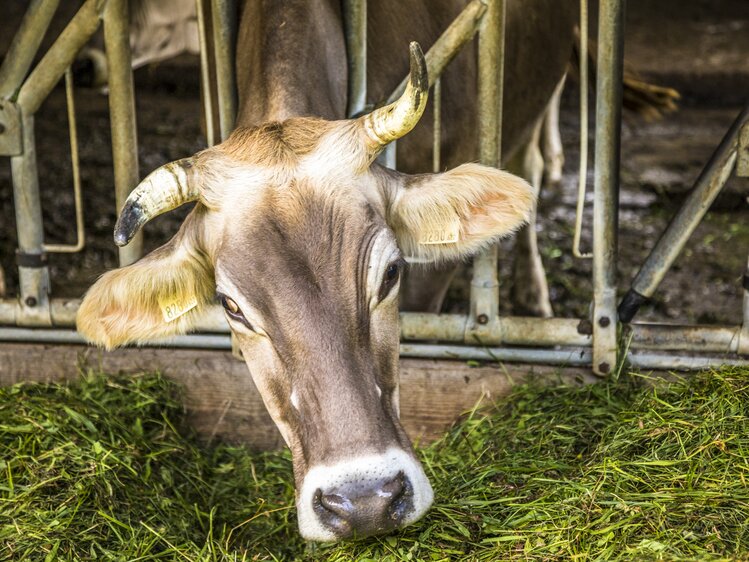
<point x="128" y="225"/>
<point x="629" y="306"/>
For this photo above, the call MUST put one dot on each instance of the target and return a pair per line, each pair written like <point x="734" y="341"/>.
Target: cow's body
<point x="291" y="60"/>
<point x="302" y="236"/>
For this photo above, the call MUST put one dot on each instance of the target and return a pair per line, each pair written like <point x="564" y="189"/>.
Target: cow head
<point x="302" y="238"/>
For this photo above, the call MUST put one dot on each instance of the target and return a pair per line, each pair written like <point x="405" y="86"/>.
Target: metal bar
<point x="437" y="126"/>
<point x="50" y="69"/>
<point x="439" y="55"/>
<point x="515" y="330"/>
<point x="224" y="40"/>
<point x="606" y="184"/>
<point x="743" y="345"/>
<point x="207" y="88"/>
<point x="355" y="18"/>
<point x="71" y="337"/>
<point x="582" y="181"/>
<point x="75" y="161"/>
<point x="672" y="241"/>
<point x="568" y="358"/>
<point x="122" y="113"/>
<point x="25" y="44"/>
<point x="452" y="40"/>
<point x="484" y="311"/>
<point x="33" y="274"/>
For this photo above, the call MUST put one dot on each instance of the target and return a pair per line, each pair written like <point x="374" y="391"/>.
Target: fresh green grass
<point x="103" y="469"/>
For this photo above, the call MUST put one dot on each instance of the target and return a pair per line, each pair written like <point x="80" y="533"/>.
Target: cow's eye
<point x="390" y="279"/>
<point x="233" y="310"/>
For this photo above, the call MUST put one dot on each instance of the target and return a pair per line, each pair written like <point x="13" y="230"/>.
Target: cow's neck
<point x="291" y="60"/>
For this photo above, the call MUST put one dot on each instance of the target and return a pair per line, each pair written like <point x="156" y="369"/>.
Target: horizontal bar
<point x="514" y="330"/>
<point x="575" y="357"/>
<point x="40" y="335"/>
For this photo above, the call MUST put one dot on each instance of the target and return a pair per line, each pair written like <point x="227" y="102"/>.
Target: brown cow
<point x="302" y="236"/>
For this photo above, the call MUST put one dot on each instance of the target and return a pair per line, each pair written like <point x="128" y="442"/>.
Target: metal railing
<point x="600" y="341"/>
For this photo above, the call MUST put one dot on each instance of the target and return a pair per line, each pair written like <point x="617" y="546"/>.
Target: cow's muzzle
<point x="363" y="496"/>
<point x="355" y="510"/>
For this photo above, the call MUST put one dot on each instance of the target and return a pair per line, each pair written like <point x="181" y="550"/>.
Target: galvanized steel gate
<point x="602" y="341"/>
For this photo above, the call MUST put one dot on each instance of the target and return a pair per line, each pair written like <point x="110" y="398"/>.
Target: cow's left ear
<point x="455" y="214"/>
<point x="160" y="295"/>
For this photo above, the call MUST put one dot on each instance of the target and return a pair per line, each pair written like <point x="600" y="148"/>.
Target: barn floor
<point x="104" y="469"/>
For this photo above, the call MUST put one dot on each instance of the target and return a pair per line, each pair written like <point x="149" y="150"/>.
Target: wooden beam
<point x="222" y="403"/>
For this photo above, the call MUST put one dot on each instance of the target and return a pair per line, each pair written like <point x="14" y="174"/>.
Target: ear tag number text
<point x="172" y="307"/>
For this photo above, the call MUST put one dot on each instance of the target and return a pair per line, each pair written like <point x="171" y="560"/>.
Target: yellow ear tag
<point x="172" y="307"/>
<point x="450" y="234"/>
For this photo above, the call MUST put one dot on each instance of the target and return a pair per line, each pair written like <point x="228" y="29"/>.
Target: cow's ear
<point x="158" y="296"/>
<point x="455" y="214"/>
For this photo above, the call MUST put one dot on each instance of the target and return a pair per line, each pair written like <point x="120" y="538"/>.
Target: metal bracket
<point x="742" y="159"/>
<point x="11" y="142"/>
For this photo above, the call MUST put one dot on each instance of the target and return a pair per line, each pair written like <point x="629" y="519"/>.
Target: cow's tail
<point x="647" y="100"/>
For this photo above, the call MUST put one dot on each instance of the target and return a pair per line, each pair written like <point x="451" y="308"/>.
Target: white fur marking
<point x="294" y="399"/>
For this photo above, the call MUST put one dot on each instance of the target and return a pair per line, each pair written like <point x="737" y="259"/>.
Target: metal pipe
<point x="743" y="345"/>
<point x="606" y="184"/>
<point x="437" y="126"/>
<point x="567" y="358"/>
<point x="206" y="84"/>
<point x="452" y="40"/>
<point x="75" y="161"/>
<point x="515" y="330"/>
<point x="355" y="18"/>
<point x="61" y="54"/>
<point x="672" y="241"/>
<point x="484" y="309"/>
<point x="33" y="274"/>
<point x="224" y="41"/>
<point x="71" y="337"/>
<point x="122" y="113"/>
<point x="582" y="180"/>
<point x="25" y="44"/>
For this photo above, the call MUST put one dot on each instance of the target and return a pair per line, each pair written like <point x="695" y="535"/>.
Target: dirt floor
<point x="701" y="48"/>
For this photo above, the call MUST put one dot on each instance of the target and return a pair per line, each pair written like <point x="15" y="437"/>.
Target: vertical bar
<point x="25" y="44"/>
<point x="224" y="40"/>
<point x="743" y="347"/>
<point x="355" y="17"/>
<point x="122" y="113"/>
<point x="206" y="84"/>
<point x="484" y="285"/>
<point x="606" y="183"/>
<point x="437" y="133"/>
<point x="33" y="274"/>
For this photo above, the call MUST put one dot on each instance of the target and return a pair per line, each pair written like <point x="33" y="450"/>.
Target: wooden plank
<point x="222" y="402"/>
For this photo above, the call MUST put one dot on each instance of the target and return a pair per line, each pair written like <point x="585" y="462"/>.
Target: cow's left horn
<point x="164" y="189"/>
<point x="391" y="122"/>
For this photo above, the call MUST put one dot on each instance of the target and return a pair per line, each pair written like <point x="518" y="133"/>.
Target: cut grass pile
<point x="103" y="469"/>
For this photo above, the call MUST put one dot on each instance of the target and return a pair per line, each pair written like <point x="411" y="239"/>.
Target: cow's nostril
<point x="365" y="509"/>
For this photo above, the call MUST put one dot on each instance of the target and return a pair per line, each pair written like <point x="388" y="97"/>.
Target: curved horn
<point x="391" y="122"/>
<point x="164" y="189"/>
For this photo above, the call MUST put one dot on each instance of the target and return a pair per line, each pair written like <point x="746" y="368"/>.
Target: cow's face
<point x="303" y="240"/>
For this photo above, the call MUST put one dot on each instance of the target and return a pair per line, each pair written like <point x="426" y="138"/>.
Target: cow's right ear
<point x="455" y="214"/>
<point x="158" y="296"/>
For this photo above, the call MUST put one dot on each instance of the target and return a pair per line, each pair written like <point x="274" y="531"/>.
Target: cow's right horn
<point x="164" y="189"/>
<point x="393" y="121"/>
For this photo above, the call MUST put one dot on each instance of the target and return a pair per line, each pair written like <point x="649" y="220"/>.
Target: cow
<point x="302" y="236"/>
